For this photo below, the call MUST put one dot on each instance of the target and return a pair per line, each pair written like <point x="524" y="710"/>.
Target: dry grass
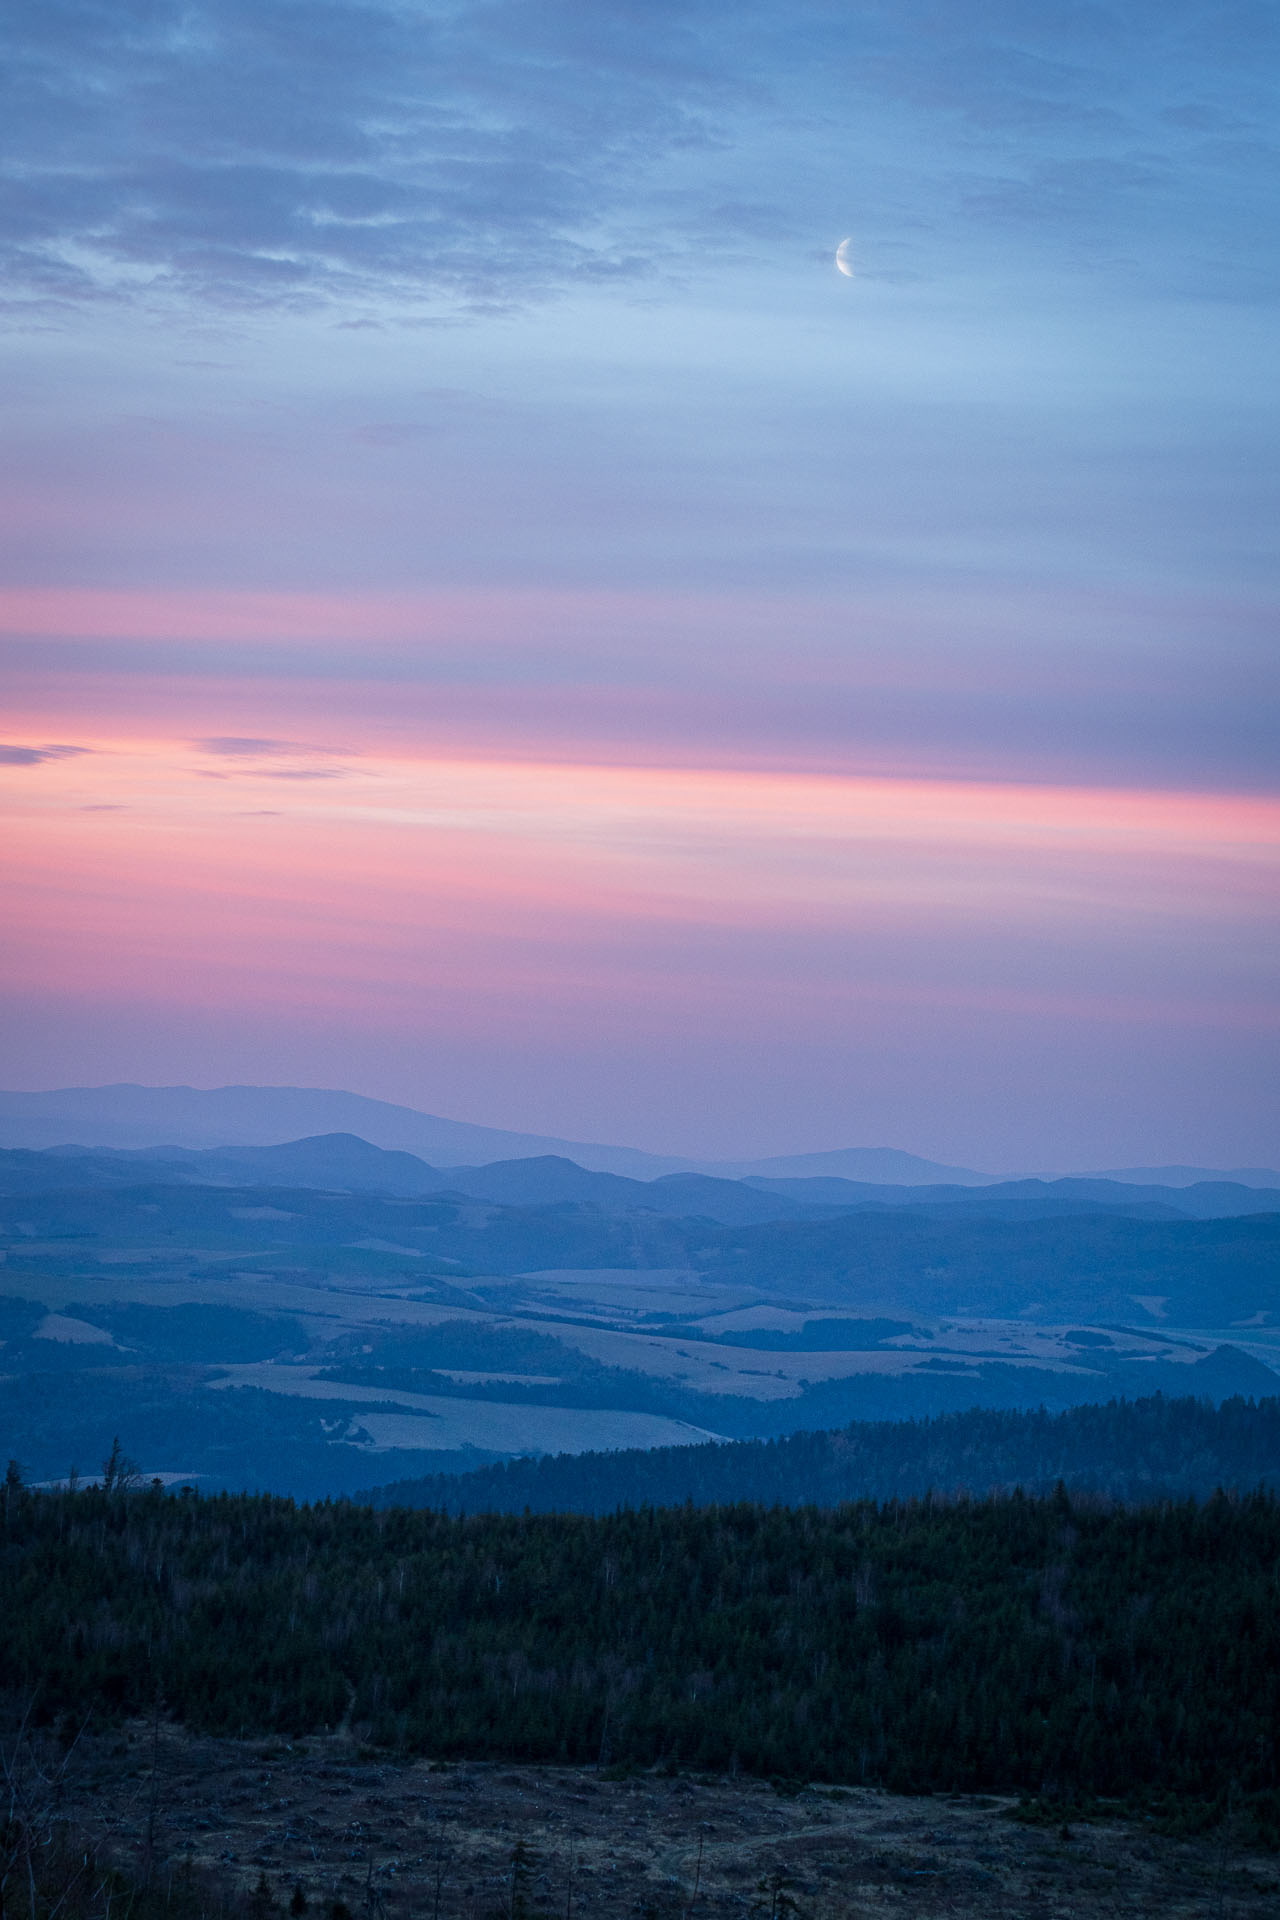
<point x="426" y="1842"/>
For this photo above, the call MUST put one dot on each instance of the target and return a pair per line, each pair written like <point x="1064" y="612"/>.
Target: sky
<point x="491" y="617"/>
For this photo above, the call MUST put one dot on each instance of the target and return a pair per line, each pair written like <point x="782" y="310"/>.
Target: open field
<point x="376" y="1338"/>
<point x="396" y="1840"/>
<point x="436" y="1424"/>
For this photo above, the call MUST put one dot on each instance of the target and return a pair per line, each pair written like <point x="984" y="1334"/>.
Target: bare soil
<point x="437" y="1842"/>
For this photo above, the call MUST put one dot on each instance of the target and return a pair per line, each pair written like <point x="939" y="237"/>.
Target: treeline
<point x="1131" y="1450"/>
<point x="1065" y="1648"/>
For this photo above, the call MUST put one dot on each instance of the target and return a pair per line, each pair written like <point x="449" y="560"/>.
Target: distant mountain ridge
<point x="872" y="1166"/>
<point x="1188" y="1176"/>
<point x="131" y="1117"/>
<point x="344" y="1163"/>
<point x="1203" y="1200"/>
<point x="128" y="1116"/>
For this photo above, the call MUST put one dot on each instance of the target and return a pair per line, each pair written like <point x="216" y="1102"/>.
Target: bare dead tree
<point x="153" y="1793"/>
<point x="438" y="1867"/>
<point x="38" y="1869"/>
<point x="697" y="1878"/>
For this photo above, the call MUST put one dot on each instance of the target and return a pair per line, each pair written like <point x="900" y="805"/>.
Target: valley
<point x="320" y="1340"/>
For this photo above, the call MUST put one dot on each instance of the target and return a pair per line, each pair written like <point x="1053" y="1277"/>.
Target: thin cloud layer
<point x="275" y="152"/>
<point x="14" y="756"/>
<point x="269" y="153"/>
<point x="242" y="747"/>
<point x="954" y="960"/>
<point x="246" y="753"/>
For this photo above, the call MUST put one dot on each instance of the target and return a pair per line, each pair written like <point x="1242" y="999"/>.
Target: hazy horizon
<point x="879" y="1157"/>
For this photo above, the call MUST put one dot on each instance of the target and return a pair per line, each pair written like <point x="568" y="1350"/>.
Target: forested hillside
<point x="1057" y="1647"/>
<point x="1093" y="1265"/>
<point x="313" y="1342"/>
<point x="1128" y="1450"/>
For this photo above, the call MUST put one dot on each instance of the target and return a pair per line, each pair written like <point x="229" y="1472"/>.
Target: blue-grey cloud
<point x="304" y="773"/>
<point x="271" y="152"/>
<point x="251" y="747"/>
<point x="13" y="756"/>
<point x="252" y="750"/>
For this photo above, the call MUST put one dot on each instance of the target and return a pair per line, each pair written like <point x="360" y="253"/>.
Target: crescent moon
<point x="843" y="261"/>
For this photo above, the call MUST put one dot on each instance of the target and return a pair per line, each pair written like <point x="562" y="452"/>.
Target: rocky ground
<point x="472" y="1842"/>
